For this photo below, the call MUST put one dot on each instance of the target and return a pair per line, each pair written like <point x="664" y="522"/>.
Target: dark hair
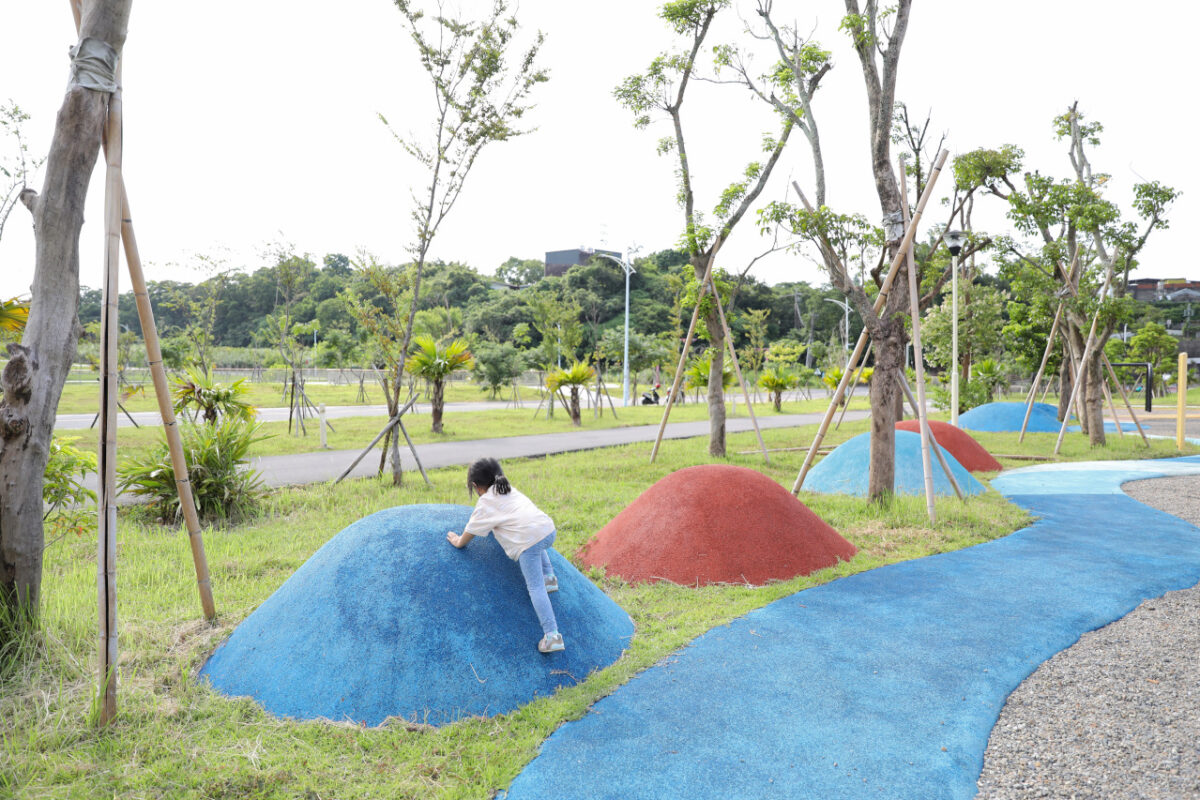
<point x="486" y="472"/>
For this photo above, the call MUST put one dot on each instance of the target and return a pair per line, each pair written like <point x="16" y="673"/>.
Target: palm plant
<point x="13" y="315"/>
<point x="580" y="374"/>
<point x="777" y="380"/>
<point x="696" y="375"/>
<point x="212" y="399"/>
<point x="991" y="374"/>
<point x="435" y="363"/>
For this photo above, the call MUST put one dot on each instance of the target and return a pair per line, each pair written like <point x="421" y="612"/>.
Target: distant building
<point x="559" y="261"/>
<point x="1170" y="290"/>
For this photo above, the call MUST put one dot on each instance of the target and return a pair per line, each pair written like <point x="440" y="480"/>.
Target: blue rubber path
<point x="885" y="684"/>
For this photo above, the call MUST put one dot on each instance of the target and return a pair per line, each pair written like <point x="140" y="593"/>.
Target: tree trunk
<point x="576" y="417"/>
<point x="34" y="377"/>
<point x="716" y="386"/>
<point x="438" y="402"/>
<point x="1094" y="401"/>
<point x="778" y="400"/>
<point x="885" y="391"/>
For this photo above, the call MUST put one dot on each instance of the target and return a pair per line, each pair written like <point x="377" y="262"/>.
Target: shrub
<point x="63" y="489"/>
<point x="224" y="489"/>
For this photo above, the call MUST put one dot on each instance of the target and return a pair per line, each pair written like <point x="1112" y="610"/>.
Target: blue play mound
<point x="1007" y="418"/>
<point x="844" y="471"/>
<point x="388" y="619"/>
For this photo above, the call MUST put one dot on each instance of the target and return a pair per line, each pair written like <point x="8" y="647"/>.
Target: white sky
<point x="277" y="139"/>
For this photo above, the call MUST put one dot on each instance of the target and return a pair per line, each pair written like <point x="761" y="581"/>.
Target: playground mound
<point x="968" y="452"/>
<point x="715" y="523"/>
<point x="387" y="619"/>
<point x="845" y="470"/>
<point x="1007" y="418"/>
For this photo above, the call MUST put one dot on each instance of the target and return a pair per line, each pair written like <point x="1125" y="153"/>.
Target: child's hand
<point x="454" y="539"/>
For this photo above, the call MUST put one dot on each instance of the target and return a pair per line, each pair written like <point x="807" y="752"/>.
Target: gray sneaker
<point x="551" y="584"/>
<point x="551" y="643"/>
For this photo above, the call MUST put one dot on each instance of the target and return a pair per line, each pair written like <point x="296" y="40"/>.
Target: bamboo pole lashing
<point x="918" y="403"/>
<point x="905" y="243"/>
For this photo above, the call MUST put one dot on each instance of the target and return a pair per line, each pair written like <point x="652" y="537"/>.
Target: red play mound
<point x="715" y="524"/>
<point x="958" y="442"/>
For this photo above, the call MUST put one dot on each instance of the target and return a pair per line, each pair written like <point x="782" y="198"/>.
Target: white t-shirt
<point x="516" y="522"/>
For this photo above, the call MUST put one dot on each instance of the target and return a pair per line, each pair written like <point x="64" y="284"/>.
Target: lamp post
<point x="954" y="240"/>
<point x="845" y="320"/>
<point x="628" y="269"/>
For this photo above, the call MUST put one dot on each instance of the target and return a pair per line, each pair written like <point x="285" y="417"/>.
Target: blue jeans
<point x="535" y="566"/>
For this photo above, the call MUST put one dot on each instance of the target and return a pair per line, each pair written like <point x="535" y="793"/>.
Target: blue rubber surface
<point x="388" y="619"/>
<point x="885" y="684"/>
<point x="1007" y="417"/>
<point x="845" y="470"/>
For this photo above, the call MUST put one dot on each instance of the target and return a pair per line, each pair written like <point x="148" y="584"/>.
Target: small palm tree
<point x="697" y="372"/>
<point x="13" y="315"/>
<point x="580" y="374"/>
<point x="992" y="376"/>
<point x="777" y="380"/>
<point x="435" y="363"/>
<point x="212" y="399"/>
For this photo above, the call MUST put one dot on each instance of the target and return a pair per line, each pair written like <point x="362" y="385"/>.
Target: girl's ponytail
<point x="486" y="473"/>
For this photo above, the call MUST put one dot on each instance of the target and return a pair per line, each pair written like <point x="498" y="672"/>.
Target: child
<point x="525" y="533"/>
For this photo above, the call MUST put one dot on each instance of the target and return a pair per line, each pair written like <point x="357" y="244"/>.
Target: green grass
<point x="173" y="737"/>
<point x="350" y="433"/>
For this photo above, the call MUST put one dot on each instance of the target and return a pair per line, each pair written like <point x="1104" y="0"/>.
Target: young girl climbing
<point x="523" y="530"/>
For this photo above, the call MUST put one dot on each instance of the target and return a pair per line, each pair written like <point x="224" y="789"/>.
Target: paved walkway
<point x="886" y="683"/>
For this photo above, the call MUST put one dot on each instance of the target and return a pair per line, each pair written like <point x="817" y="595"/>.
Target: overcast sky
<point x="254" y="123"/>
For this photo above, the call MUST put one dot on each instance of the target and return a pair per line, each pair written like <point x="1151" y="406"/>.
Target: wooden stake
<point x="106" y="564"/>
<point x="931" y="442"/>
<point x="1125" y="397"/>
<point x="1037" y="379"/>
<point x="853" y="387"/>
<point x="391" y="423"/>
<point x="687" y="342"/>
<point x="914" y="310"/>
<point x="901" y="254"/>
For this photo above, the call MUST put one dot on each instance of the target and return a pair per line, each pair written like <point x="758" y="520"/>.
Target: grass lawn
<point x="174" y="737"/>
<point x="351" y="433"/>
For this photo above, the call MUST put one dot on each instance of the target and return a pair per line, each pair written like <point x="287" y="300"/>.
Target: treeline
<point x="234" y="309"/>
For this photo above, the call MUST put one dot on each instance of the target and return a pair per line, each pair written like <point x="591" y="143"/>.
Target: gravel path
<point x="1118" y="714"/>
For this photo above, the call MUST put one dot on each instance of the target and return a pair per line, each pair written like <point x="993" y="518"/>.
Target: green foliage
<point x="987" y="169"/>
<point x="1152" y="343"/>
<point x="435" y="363"/>
<point x="224" y="489"/>
<point x="991" y="375"/>
<point x="698" y="369"/>
<point x="64" y="492"/>
<point x="521" y="272"/>
<point x="777" y="380"/>
<point x="785" y="352"/>
<point x="497" y="366"/>
<point x="578" y="374"/>
<point x="980" y="322"/>
<point x="971" y="393"/>
<point x="14" y="313"/>
<point x="210" y="398"/>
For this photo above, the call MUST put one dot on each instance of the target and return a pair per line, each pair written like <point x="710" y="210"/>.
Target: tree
<point x="212" y="399"/>
<point x="479" y="97"/>
<point x="1080" y="242"/>
<point x="521" y="271"/>
<point x="777" y="380"/>
<point x="1153" y="344"/>
<point x="662" y="90"/>
<point x="435" y="364"/>
<point x="578" y="374"/>
<point x="37" y="368"/>
<point x="497" y="365"/>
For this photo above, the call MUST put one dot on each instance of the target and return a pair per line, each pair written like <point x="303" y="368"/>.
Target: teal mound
<point x="844" y="471"/>
<point x="388" y="619"/>
<point x="1007" y="418"/>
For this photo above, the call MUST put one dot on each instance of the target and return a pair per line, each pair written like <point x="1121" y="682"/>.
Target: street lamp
<point x="955" y="241"/>
<point x="628" y="269"/>
<point x="845" y="319"/>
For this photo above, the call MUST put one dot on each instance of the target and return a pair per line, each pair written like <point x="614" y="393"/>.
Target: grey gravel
<point x="1117" y="715"/>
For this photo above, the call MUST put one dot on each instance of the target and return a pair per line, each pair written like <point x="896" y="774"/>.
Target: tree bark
<point x="576" y="416"/>
<point x="716" y="385"/>
<point x="38" y="368"/>
<point x="439" y="395"/>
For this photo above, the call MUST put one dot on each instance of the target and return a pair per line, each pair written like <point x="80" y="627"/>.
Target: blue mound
<point x="887" y="683"/>
<point x="844" y="471"/>
<point x="387" y="619"/>
<point x="1007" y="418"/>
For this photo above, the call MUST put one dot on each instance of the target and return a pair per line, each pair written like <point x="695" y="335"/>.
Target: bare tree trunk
<point x="438" y="402"/>
<point x="716" y="386"/>
<point x="1094" y="401"/>
<point x="885" y="383"/>
<point x="37" y="369"/>
<point x="576" y="416"/>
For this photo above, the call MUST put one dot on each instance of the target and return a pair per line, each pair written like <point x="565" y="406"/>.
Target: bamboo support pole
<point x="737" y="370"/>
<point x="1181" y="400"/>
<point x="934" y="447"/>
<point x="1112" y="407"/>
<point x="158" y="376"/>
<point x="1037" y="379"/>
<point x="413" y="449"/>
<point x="106" y="564"/>
<point x="391" y="423"/>
<point x="853" y="386"/>
<point x="901" y="254"/>
<point x="1079" y="372"/>
<point x="1125" y="397"/>
<point x="687" y="342"/>
<point x="914" y="310"/>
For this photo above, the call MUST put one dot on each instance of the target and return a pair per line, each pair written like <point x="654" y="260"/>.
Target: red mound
<point x="715" y="524"/>
<point x="958" y="442"/>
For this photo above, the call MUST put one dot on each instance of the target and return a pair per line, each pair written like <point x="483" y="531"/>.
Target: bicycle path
<point x="884" y="684"/>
